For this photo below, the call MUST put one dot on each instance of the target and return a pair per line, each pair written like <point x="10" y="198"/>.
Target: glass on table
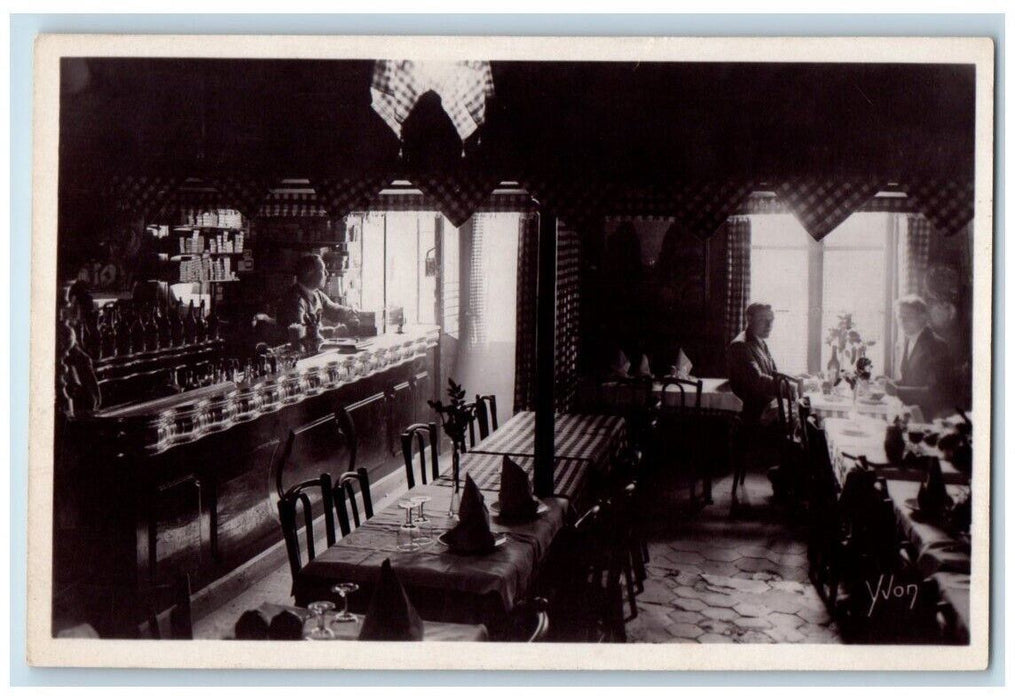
<point x="320" y="631"/>
<point x="408" y="531"/>
<point x="424" y="536"/>
<point x="343" y="590"/>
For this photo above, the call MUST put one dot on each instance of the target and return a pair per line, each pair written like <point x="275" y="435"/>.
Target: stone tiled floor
<point x="717" y="579"/>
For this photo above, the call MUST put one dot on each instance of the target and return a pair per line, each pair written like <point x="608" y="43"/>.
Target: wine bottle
<point x="190" y="325"/>
<point x="833" y="368"/>
<point x="176" y="324"/>
<point x="137" y="332"/>
<point x="163" y="327"/>
<point x="107" y="336"/>
<point x="200" y="325"/>
<point x="122" y="332"/>
<point x="151" y="342"/>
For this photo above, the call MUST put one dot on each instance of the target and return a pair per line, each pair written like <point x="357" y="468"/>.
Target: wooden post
<point x="546" y="304"/>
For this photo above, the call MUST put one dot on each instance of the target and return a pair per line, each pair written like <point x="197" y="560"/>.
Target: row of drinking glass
<point x="416" y="533"/>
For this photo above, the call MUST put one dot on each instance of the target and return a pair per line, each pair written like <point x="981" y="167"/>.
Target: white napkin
<point x="684" y="365"/>
<point x="644" y="369"/>
<point x="621" y="365"/>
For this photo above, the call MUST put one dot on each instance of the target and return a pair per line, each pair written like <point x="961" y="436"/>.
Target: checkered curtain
<point x="341" y="195"/>
<point x="567" y="317"/>
<point x="948" y="204"/>
<point x="578" y="203"/>
<point x="475" y="313"/>
<point x="702" y="206"/>
<point x="243" y="193"/>
<point x="286" y="204"/>
<point x="821" y="205"/>
<point x="140" y="194"/>
<point x="463" y="86"/>
<point x="525" y="322"/>
<point x="738" y="273"/>
<point x="914" y="253"/>
<point x="458" y="195"/>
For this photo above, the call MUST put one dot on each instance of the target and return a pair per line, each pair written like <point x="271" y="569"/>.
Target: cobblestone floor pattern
<point x="716" y="579"/>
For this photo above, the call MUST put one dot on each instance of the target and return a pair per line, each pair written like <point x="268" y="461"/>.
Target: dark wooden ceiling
<point x="617" y="121"/>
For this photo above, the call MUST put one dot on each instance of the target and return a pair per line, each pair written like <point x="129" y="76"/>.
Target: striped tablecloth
<point x="569" y="475"/>
<point x="590" y="437"/>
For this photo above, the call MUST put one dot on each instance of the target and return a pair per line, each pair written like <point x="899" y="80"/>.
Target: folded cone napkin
<point x="621" y="365"/>
<point x="391" y="616"/>
<point x="472" y="533"/>
<point x="515" y="497"/>
<point x="286" y="626"/>
<point x="644" y="369"/>
<point x="253" y="624"/>
<point x="684" y="365"/>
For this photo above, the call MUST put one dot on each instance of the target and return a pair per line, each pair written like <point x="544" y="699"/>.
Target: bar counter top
<point x="163" y="423"/>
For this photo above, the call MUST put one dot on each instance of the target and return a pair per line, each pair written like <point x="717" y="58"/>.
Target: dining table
<point x="433" y="631"/>
<point x="444" y="585"/>
<point x="941" y="550"/>
<point x="571" y="476"/>
<point x="592" y="437"/>
<point x="841" y="405"/>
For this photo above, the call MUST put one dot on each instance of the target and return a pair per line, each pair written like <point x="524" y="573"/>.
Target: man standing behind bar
<point x="306" y="299"/>
<point x="752" y="378"/>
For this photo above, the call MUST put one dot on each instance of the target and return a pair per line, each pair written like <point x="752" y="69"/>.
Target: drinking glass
<point x="408" y="530"/>
<point x="320" y="631"/>
<point x="343" y="590"/>
<point x="424" y="537"/>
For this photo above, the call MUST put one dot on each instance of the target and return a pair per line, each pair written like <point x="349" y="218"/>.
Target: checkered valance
<point x="578" y="203"/>
<point x="463" y="86"/>
<point x="947" y="204"/>
<point x="821" y="205"/>
<point x="702" y="206"/>
<point x="341" y="195"/>
<point x="458" y="195"/>
<point x="243" y="193"/>
<point x="291" y="204"/>
<point x="140" y="195"/>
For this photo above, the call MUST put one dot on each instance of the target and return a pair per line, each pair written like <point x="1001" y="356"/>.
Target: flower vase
<point x="456" y="482"/>
<point x="854" y="412"/>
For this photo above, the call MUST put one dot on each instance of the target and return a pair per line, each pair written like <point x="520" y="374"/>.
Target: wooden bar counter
<point x="187" y="483"/>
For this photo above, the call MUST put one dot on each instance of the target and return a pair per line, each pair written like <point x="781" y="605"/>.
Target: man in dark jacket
<point x="922" y="360"/>
<point x="752" y="377"/>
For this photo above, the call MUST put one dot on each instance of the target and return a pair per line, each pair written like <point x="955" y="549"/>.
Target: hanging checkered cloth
<point x="578" y="203"/>
<point x="475" y="312"/>
<point x="948" y="204"/>
<point x="141" y="195"/>
<point x="914" y="252"/>
<point x="525" y="318"/>
<point x="821" y="205"/>
<point x="702" y="206"/>
<point x="341" y="195"/>
<point x="291" y="204"/>
<point x="458" y="195"/>
<point x="567" y="318"/>
<point x="738" y="273"/>
<point x="463" y="86"/>
<point x="243" y="193"/>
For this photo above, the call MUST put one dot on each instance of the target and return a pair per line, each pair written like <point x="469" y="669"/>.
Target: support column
<point x="546" y="305"/>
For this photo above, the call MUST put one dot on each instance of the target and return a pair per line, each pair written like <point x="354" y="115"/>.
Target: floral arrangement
<point x="846" y="341"/>
<point x="861" y="372"/>
<point x="455" y="415"/>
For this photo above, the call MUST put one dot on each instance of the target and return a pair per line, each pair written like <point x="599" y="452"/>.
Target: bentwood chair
<point x="344" y="499"/>
<point x="153" y="611"/>
<point x="418" y="439"/>
<point x="486" y="414"/>
<point x="529" y="621"/>
<point x="295" y="512"/>
<point x="475" y="427"/>
<point x="681" y="425"/>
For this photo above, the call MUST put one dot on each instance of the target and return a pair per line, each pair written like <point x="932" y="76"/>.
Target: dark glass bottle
<point x="138" y="331"/>
<point x="190" y="325"/>
<point x="123" y="345"/>
<point x="163" y="327"/>
<point x="151" y="339"/>
<point x="107" y="334"/>
<point x="213" y="326"/>
<point x="200" y="325"/>
<point x="176" y="324"/>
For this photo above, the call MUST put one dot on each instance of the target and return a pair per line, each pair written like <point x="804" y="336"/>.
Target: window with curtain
<point x="810" y="284"/>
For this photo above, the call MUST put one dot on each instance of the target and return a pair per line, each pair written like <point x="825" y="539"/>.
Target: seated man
<point x="922" y="360"/>
<point x="306" y="301"/>
<point x="752" y="377"/>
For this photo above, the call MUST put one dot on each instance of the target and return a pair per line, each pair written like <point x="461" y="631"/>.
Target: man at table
<point x="752" y="378"/>
<point x="922" y="360"/>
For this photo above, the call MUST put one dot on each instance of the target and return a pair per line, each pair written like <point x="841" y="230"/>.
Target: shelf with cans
<point x="204" y="253"/>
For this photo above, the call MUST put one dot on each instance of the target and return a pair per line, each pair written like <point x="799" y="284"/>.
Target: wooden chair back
<point x="344" y="499"/>
<point x="486" y="414"/>
<point x="295" y="512"/>
<point x="418" y="439"/>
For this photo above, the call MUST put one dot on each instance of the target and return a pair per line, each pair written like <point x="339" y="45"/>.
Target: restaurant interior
<point x="514" y="351"/>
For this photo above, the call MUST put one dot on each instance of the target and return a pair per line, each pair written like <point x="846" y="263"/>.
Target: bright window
<point x="810" y="284"/>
